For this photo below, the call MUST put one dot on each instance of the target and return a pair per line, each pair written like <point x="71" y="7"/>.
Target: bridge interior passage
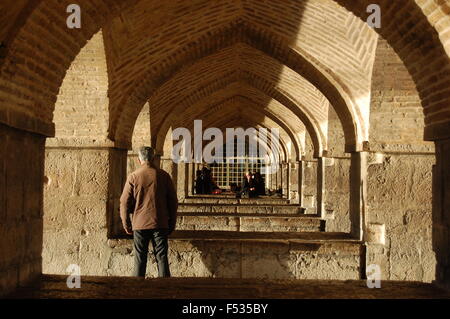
<point x="356" y="176"/>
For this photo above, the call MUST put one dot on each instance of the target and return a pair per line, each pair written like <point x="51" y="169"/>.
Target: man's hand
<point x="128" y="230"/>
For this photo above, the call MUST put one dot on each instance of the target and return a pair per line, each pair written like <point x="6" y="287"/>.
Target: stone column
<point x="285" y="179"/>
<point x="358" y="193"/>
<point x="82" y="204"/>
<point x="180" y="174"/>
<point x="300" y="181"/>
<point x="191" y="180"/>
<point x="320" y="199"/>
<point x="117" y="177"/>
<point x="441" y="212"/>
<point x="296" y="182"/>
<point x="273" y="178"/>
<point x="293" y="182"/>
<point x="21" y="207"/>
<point x="279" y="179"/>
<point x="170" y="167"/>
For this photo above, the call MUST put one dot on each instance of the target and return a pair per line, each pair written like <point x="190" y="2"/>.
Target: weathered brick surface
<point x="397" y="120"/>
<point x="285" y="24"/>
<point x="82" y="97"/>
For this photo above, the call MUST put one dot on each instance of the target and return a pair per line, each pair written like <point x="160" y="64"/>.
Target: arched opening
<point x="344" y="67"/>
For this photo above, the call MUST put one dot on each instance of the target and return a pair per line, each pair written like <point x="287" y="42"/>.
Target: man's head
<point x="146" y="155"/>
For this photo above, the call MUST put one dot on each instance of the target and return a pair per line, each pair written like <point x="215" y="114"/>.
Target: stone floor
<point x="54" y="287"/>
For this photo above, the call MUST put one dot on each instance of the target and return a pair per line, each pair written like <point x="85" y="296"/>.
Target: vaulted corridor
<point x="352" y="122"/>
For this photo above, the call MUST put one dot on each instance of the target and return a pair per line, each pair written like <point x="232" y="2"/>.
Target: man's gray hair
<point x="146" y="154"/>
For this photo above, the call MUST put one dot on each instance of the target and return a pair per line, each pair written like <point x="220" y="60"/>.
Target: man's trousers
<point x="159" y="240"/>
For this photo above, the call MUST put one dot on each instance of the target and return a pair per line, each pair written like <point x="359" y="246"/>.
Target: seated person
<point x="260" y="184"/>
<point x="199" y="183"/>
<point x="249" y="186"/>
<point x="207" y="180"/>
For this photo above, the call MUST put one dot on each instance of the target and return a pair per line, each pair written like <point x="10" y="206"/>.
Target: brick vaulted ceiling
<point x="240" y="97"/>
<point x="240" y="107"/>
<point x="213" y="39"/>
<point x="304" y="55"/>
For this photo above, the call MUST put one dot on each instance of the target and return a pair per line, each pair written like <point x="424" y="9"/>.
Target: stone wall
<point x="310" y="186"/>
<point x="399" y="197"/>
<point x="400" y="181"/>
<point x="76" y="232"/>
<point x="337" y="188"/>
<point x="441" y="212"/>
<point x="21" y="183"/>
<point x="228" y="259"/>
<point x="75" y="206"/>
<point x="79" y="205"/>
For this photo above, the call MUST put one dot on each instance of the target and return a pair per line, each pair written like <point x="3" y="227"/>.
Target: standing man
<point x="149" y="194"/>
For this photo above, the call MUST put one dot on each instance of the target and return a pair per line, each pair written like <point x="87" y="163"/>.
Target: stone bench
<point x="242" y="209"/>
<point x="249" y="222"/>
<point x="235" y="201"/>
<point x="232" y="254"/>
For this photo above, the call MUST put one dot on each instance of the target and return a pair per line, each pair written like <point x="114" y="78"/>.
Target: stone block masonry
<point x="248" y="259"/>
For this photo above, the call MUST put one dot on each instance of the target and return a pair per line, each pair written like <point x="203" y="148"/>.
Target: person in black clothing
<point x="207" y="181"/>
<point x="259" y="183"/>
<point x="198" y="182"/>
<point x="249" y="186"/>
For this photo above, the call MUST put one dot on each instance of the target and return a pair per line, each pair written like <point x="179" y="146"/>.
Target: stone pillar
<point x="320" y="199"/>
<point x="441" y="212"/>
<point x="279" y="178"/>
<point x="191" y="180"/>
<point x="196" y="168"/>
<point x="293" y="182"/>
<point x="21" y="207"/>
<point x="300" y="181"/>
<point x="181" y="176"/>
<point x="358" y="193"/>
<point x="285" y="179"/>
<point x="273" y="178"/>
<point x="81" y="205"/>
<point x="117" y="176"/>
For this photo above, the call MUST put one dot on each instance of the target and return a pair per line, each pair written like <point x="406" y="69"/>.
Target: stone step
<point x="263" y="255"/>
<point x="254" y="236"/>
<point x="233" y="200"/>
<point x="249" y="222"/>
<point x="240" y="208"/>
